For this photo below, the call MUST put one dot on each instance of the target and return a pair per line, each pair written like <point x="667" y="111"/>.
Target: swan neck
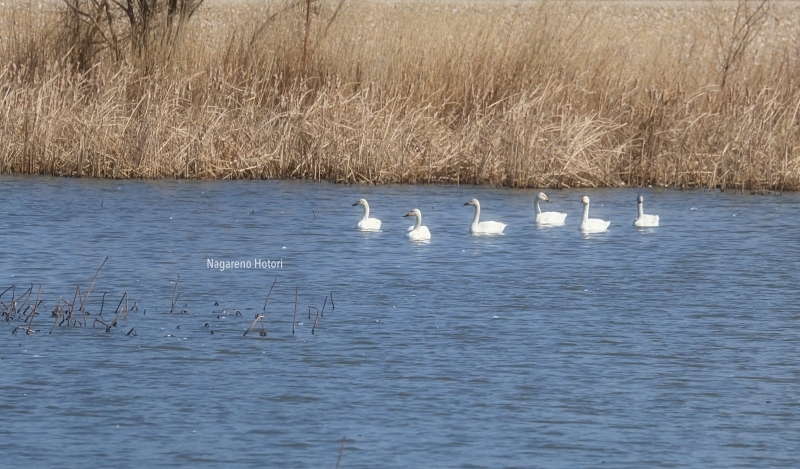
<point x="641" y="210"/>
<point x="538" y="210"/>
<point x="477" y="215"/>
<point x="366" y="211"/>
<point x="586" y="212"/>
<point x="419" y="220"/>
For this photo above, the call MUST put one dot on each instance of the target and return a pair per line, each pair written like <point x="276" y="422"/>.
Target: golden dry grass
<point x="535" y="94"/>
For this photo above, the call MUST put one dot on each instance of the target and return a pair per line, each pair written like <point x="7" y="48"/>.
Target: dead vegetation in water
<point x="22" y="309"/>
<point x="19" y="309"/>
<point x="535" y="94"/>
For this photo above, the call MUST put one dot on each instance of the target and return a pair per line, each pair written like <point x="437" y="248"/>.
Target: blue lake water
<point x="676" y="346"/>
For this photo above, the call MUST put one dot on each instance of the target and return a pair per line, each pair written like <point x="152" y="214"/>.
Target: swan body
<point x="417" y="232"/>
<point x="366" y="223"/>
<point x="644" y="220"/>
<point x="483" y="227"/>
<point x="591" y="225"/>
<point x="548" y="218"/>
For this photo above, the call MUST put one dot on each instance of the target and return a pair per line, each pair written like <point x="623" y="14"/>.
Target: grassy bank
<point x="549" y="94"/>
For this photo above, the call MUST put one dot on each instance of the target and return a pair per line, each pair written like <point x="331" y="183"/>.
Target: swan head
<point x="585" y="200"/>
<point x="543" y="197"/>
<point x="360" y="202"/>
<point x="473" y="202"/>
<point x="414" y="213"/>
<point x="640" y="200"/>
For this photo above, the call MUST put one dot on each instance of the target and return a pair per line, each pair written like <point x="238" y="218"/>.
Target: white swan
<point x="644" y="221"/>
<point x="548" y="218"/>
<point x="591" y="225"/>
<point x="483" y="227"/>
<point x="367" y="223"/>
<point x="417" y="232"/>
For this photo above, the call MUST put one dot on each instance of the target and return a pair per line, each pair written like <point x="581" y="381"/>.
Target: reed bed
<point x="529" y="94"/>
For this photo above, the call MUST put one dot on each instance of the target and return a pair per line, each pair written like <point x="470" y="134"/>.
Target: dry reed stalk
<point x="269" y="293"/>
<point x="316" y="318"/>
<point x="58" y="313"/>
<point x="259" y="317"/>
<point x="341" y="451"/>
<point x="102" y="303"/>
<point x="294" y="315"/>
<point x="118" y="312"/>
<point x="35" y="306"/>
<point x="85" y="298"/>
<point x="175" y="297"/>
<point x="72" y="307"/>
<point x="20" y="306"/>
<point x="307" y="34"/>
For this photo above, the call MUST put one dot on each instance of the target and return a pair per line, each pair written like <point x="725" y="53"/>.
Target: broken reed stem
<point x="323" y="307"/>
<point x="268" y="294"/>
<point x="72" y="305"/>
<point x="341" y="451"/>
<point x="6" y="291"/>
<point x="258" y="317"/>
<point x="175" y="298"/>
<point x="35" y="305"/>
<point x="27" y="330"/>
<point x="96" y="320"/>
<point x="86" y="298"/>
<point x="314" y="327"/>
<point x="102" y="303"/>
<point x="57" y="313"/>
<point x="333" y="306"/>
<point x="27" y="295"/>
<point x="294" y="315"/>
<point x="118" y="311"/>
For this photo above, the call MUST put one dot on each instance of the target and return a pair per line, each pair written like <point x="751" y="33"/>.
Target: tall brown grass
<point x="530" y="94"/>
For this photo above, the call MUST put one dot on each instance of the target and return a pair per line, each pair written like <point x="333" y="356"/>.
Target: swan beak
<point x="355" y="204"/>
<point x="466" y="203"/>
<point x="408" y="214"/>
